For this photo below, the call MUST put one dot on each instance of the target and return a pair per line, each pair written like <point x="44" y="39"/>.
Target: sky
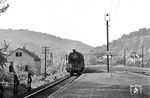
<point x="81" y="20"/>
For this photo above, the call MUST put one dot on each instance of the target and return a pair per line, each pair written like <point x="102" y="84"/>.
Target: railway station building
<point x="22" y="56"/>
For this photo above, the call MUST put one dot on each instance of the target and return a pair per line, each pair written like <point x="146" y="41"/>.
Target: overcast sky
<point x="81" y="20"/>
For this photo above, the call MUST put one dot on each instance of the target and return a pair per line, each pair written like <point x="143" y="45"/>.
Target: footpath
<point x="107" y="85"/>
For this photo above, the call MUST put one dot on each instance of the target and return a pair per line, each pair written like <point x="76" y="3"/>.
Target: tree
<point x="3" y="51"/>
<point x="3" y="6"/>
<point x="92" y="60"/>
<point x="3" y="59"/>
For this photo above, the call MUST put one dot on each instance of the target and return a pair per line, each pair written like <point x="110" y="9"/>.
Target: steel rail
<point x="51" y="85"/>
<point x="65" y="86"/>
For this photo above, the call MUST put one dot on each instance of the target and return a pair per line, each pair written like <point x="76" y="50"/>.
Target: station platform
<point x="106" y="85"/>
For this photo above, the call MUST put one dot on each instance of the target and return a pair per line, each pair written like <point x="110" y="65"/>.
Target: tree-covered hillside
<point x="36" y="40"/>
<point x="128" y="44"/>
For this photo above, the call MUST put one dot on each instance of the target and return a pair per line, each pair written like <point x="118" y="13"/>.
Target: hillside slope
<point x="36" y="40"/>
<point x="132" y="42"/>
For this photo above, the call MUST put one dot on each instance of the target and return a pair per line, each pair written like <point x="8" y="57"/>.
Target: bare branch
<point x="4" y="6"/>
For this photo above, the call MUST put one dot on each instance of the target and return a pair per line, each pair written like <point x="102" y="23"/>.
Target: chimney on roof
<point x="24" y="47"/>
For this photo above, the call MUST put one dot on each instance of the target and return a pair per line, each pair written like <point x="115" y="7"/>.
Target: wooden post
<point x="45" y="49"/>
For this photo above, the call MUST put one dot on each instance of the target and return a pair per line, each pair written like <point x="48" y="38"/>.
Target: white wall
<point x="25" y="59"/>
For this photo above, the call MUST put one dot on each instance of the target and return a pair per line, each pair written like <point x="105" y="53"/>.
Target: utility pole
<point x="51" y="58"/>
<point x="107" y="19"/>
<point x="45" y="49"/>
<point x="62" y="63"/>
<point x="66" y="58"/>
<point x="142" y="56"/>
<point x="124" y="57"/>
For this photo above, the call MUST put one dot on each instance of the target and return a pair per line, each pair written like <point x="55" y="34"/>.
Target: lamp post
<point x="107" y="19"/>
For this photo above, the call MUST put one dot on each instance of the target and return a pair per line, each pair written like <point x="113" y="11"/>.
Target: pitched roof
<point x="29" y="53"/>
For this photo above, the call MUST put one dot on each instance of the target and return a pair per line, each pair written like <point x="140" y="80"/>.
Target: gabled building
<point x="25" y="57"/>
<point x="134" y="58"/>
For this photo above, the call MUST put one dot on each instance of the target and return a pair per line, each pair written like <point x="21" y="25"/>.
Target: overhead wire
<point x="114" y="9"/>
<point x="117" y="7"/>
<point x="110" y="6"/>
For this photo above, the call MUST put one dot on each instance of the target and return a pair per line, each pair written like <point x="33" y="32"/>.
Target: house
<point x="134" y="58"/>
<point x="24" y="57"/>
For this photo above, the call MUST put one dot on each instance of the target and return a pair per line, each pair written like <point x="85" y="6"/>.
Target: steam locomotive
<point x="75" y="63"/>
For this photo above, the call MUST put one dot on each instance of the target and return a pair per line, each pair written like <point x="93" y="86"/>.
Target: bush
<point x="119" y="60"/>
<point x="92" y="60"/>
<point x="22" y="74"/>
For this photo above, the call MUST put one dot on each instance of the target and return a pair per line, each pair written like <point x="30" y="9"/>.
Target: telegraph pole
<point x="142" y="56"/>
<point x="124" y="57"/>
<point x="45" y="49"/>
<point x="66" y="58"/>
<point x="51" y="58"/>
<point x="107" y="19"/>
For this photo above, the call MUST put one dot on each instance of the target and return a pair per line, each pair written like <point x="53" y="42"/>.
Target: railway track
<point x="47" y="90"/>
<point x="142" y="73"/>
<point x="135" y="70"/>
<point x="126" y="69"/>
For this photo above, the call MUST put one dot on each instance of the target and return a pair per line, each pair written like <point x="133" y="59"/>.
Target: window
<point x="18" y="54"/>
